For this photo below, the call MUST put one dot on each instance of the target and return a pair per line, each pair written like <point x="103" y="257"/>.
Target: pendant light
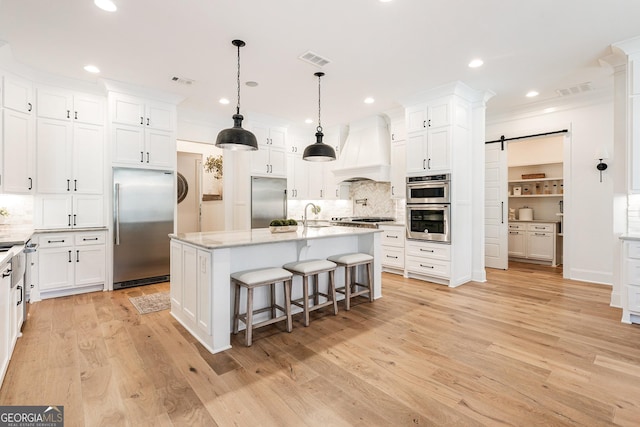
<point x="236" y="138"/>
<point x="319" y="151"/>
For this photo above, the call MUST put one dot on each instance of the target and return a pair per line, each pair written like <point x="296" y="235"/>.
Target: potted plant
<point x="283" y="225"/>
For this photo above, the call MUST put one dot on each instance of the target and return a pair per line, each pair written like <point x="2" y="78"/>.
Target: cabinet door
<point x="159" y="116"/>
<point x="540" y="246"/>
<point x="54" y="104"/>
<point x="260" y="161"/>
<point x="517" y="245"/>
<point x="161" y="151"/>
<point x="262" y="133"/>
<point x="416" y="161"/>
<point x="439" y="113"/>
<point x="90" y="263"/>
<point x="416" y="119"/>
<point x="18" y="153"/>
<point x="128" y="145"/>
<point x="53" y="211"/>
<point x="278" y="162"/>
<point x="296" y="177"/>
<point x="398" y="131"/>
<point x="88" y="109"/>
<point x="5" y="319"/>
<point x="127" y="110"/>
<point x="17" y="95"/>
<point x="204" y="291"/>
<point x="88" y="159"/>
<point x="398" y="169"/>
<point x="176" y="276"/>
<point x="438" y="149"/>
<point x="190" y="272"/>
<point x="88" y="211"/>
<point x="315" y="172"/>
<point x="277" y="137"/>
<point x="55" y="268"/>
<point x="54" y="156"/>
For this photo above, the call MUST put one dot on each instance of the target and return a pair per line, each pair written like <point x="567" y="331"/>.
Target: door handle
<point x="147" y="157"/>
<point x="74" y="219"/>
<point x="501" y="212"/>
<point x="30" y="183"/>
<point x="142" y="157"/>
<point x="75" y="185"/>
<point x="21" y="295"/>
<point x="30" y="106"/>
<point x="68" y="114"/>
<point x="68" y="184"/>
<point x="77" y="255"/>
<point x="141" y="120"/>
<point x="69" y="256"/>
<point x="69" y="222"/>
<point x="75" y="116"/>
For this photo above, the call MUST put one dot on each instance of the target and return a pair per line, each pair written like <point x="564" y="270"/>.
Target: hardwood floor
<point x="525" y="348"/>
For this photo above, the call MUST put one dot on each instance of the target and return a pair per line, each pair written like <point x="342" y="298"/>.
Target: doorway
<point x="189" y="192"/>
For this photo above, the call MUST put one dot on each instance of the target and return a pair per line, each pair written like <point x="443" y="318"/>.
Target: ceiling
<point x="388" y="51"/>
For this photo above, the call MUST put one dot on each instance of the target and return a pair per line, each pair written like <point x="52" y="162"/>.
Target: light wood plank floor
<point x="526" y="348"/>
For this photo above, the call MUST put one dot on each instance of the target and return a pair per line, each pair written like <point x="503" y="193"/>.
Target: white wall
<point x="588" y="219"/>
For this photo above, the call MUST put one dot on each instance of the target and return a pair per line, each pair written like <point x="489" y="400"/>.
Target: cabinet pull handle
<point x="394" y="257"/>
<point x="427" y="266"/>
<point x="84" y="239"/>
<point x="427" y="250"/>
<point x="74" y="219"/>
<point x="147" y="157"/>
<point x="7" y="274"/>
<point x="501" y="212"/>
<point x="68" y="114"/>
<point x="337" y="193"/>
<point x="392" y="190"/>
<point x="69" y="256"/>
<point x="267" y="168"/>
<point x="141" y="120"/>
<point x="30" y="183"/>
<point x="429" y="164"/>
<point x="21" y="295"/>
<point x="75" y="185"/>
<point x="30" y="106"/>
<point x="321" y="196"/>
<point x="424" y="123"/>
<point x="148" y="122"/>
<point x="68" y="184"/>
<point x="424" y="161"/>
<point x="392" y="237"/>
<point x="429" y="123"/>
<point x="77" y="255"/>
<point x="75" y="116"/>
<point x="69" y="223"/>
<point x="142" y="157"/>
<point x="393" y="136"/>
<point x="55" y="241"/>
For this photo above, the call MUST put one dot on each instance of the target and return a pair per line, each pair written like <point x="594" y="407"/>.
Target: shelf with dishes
<point x="540" y="187"/>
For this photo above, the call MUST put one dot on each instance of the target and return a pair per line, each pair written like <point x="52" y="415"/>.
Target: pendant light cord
<point x="238" y="104"/>
<point x="319" y="128"/>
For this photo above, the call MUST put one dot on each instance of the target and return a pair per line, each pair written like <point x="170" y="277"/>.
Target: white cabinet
<point x="59" y="104"/>
<point x="53" y="211"/>
<point x="17" y="94"/>
<point x="271" y="157"/>
<point x="434" y="114"/>
<point x="70" y="157"/>
<point x="398" y="160"/>
<point x="70" y="262"/>
<point x="19" y="152"/>
<point x="5" y="319"/>
<point x="429" y="129"/>
<point x="297" y="183"/>
<point x="427" y="259"/>
<point x="393" y="243"/>
<point x="533" y="241"/>
<point x="191" y="286"/>
<point x="142" y="132"/>
<point x="631" y="282"/>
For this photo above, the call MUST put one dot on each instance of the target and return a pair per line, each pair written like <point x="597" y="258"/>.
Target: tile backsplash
<point x="19" y="208"/>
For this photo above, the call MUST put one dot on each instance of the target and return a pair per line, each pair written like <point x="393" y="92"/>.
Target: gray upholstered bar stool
<point x="251" y="279"/>
<point x="312" y="268"/>
<point x="352" y="289"/>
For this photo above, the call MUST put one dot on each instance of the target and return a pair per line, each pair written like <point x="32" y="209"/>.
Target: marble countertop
<point x="226" y="239"/>
<point x="630" y="237"/>
<point x="15" y="235"/>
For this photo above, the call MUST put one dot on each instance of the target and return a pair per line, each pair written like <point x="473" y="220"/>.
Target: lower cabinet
<point x="69" y="263"/>
<point x="631" y="282"/>
<point x="535" y="241"/>
<point x="393" y="240"/>
<point x="427" y="259"/>
<point x="191" y="286"/>
<point x="5" y="319"/>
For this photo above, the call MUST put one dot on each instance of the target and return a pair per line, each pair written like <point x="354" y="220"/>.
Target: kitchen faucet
<point x="315" y="209"/>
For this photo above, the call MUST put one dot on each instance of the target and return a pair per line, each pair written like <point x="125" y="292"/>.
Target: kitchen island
<point x="201" y="265"/>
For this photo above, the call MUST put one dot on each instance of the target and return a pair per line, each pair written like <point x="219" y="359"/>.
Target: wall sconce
<point x="601" y="155"/>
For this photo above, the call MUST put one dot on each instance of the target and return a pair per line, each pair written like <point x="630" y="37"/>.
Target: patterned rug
<point x="152" y="302"/>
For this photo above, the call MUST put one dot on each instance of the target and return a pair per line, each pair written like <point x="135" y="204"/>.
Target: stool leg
<point x="347" y="288"/>
<point x="248" y="332"/>
<point x="332" y="291"/>
<point x="370" y="274"/>
<point x="272" y="291"/>
<point x="236" y="308"/>
<point x="305" y="297"/>
<point x="316" y="297"/>
<point x="287" y="303"/>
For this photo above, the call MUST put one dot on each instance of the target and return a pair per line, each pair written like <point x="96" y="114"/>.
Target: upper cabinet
<point x="17" y="94"/>
<point x="398" y="159"/>
<point x="428" y="144"/>
<point x="270" y="159"/>
<point x="142" y="132"/>
<point x="63" y="105"/>
<point x="18" y="152"/>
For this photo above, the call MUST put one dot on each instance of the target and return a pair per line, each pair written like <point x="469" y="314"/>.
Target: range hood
<point x="365" y="154"/>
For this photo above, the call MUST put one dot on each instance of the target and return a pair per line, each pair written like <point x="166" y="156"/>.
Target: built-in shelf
<point x="536" y="195"/>
<point x="535" y="180"/>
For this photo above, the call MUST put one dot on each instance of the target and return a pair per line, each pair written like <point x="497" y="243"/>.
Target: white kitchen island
<point x="201" y="265"/>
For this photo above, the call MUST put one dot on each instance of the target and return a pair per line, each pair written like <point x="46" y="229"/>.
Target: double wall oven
<point x="429" y="208"/>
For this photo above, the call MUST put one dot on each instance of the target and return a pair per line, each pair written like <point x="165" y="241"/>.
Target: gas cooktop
<point x="362" y="221"/>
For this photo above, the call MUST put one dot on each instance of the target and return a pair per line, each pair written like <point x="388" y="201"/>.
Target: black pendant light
<point x="319" y="151"/>
<point x="236" y="138"/>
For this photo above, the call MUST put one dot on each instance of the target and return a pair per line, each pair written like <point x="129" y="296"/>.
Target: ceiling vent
<point x="182" y="80"/>
<point x="314" y="59"/>
<point x="574" y="90"/>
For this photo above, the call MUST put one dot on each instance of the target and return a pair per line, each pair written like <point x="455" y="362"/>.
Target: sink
<point x="318" y="225"/>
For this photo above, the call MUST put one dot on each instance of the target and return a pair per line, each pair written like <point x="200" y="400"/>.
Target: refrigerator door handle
<point x="284" y="203"/>
<point x="116" y="213"/>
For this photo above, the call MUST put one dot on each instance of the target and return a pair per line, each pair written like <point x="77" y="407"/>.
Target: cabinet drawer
<point x="633" y="294"/>
<point x="55" y="240"/>
<point x="633" y="250"/>
<point x="633" y="272"/>
<point x="393" y="237"/>
<point x="392" y="256"/>
<point x="428" y="267"/>
<point x="90" y="238"/>
<point x="517" y="227"/>
<point x="549" y="228"/>
<point x="429" y="250"/>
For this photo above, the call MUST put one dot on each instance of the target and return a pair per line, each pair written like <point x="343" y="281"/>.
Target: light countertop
<point x="226" y="239"/>
<point x="17" y="235"/>
<point x="631" y="237"/>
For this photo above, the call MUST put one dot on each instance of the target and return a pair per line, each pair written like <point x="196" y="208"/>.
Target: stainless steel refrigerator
<point x="268" y="200"/>
<point x="143" y="206"/>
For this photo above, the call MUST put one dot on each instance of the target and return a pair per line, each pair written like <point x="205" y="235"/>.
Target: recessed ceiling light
<point x="369" y="100"/>
<point x="251" y="84"/>
<point x="91" y="69"/>
<point x="385" y="1"/>
<point x="224" y="101"/>
<point x="308" y="121"/>
<point x="549" y="110"/>
<point x="475" y="63"/>
<point x="532" y="93"/>
<point x="106" y="5"/>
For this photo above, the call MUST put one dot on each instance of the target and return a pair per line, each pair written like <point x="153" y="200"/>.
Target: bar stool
<point x="350" y="261"/>
<point x="312" y="268"/>
<point x="251" y="279"/>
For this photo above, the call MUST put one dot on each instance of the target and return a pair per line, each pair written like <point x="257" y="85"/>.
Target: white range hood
<point x="365" y="154"/>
